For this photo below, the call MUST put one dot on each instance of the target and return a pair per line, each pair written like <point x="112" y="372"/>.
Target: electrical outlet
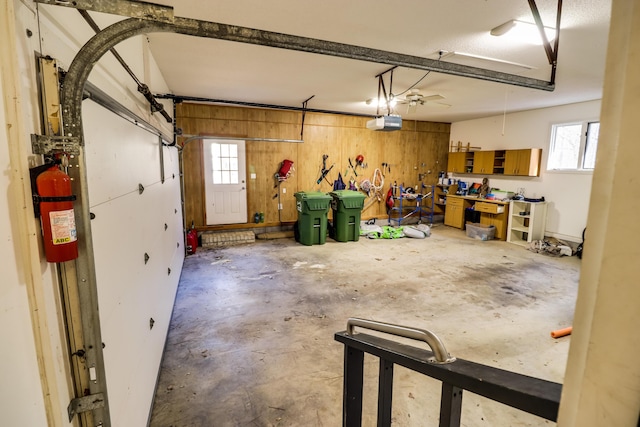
<point x="279" y="206"/>
<point x="284" y="190"/>
<point x="253" y="176"/>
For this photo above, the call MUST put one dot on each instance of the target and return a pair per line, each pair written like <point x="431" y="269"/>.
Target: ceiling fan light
<point x="375" y="102"/>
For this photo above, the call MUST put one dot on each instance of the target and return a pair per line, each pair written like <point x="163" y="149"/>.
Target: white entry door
<point x="225" y="181"/>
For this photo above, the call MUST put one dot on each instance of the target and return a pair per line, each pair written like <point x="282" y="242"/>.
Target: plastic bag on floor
<point x="551" y="246"/>
<point x="384" y="232"/>
<point x="419" y="231"/>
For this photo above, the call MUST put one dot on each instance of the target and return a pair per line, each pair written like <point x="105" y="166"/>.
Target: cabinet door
<point x="483" y="162"/>
<point x="524" y="162"/>
<point x="454" y="212"/>
<point x="452" y="216"/>
<point x="456" y="162"/>
<point x="499" y="221"/>
<point x="511" y="162"/>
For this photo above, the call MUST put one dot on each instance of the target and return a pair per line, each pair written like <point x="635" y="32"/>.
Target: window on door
<point x="224" y="163"/>
<point x="573" y="146"/>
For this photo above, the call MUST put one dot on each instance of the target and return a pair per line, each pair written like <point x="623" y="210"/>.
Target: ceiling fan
<point x="414" y="97"/>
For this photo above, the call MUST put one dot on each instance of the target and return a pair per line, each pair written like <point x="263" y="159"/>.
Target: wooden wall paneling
<point x="319" y="140"/>
<point x="373" y="158"/>
<point x="442" y="144"/>
<point x="190" y="110"/>
<point x="256" y="129"/>
<point x="341" y="137"/>
<point x="411" y="155"/>
<point x="192" y="174"/>
<point x="263" y="160"/>
<point x="289" y="213"/>
<point x="433" y="153"/>
<point x="352" y="143"/>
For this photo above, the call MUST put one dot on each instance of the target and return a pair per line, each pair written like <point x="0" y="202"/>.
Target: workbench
<point x="492" y="212"/>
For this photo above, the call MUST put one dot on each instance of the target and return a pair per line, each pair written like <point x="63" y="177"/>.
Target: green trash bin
<point x="347" y="208"/>
<point x="312" y="217"/>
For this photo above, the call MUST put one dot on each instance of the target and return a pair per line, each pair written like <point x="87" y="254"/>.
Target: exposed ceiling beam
<point x="133" y="9"/>
<point x="236" y="33"/>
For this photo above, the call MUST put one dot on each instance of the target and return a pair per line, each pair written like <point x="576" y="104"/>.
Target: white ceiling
<point x="240" y="72"/>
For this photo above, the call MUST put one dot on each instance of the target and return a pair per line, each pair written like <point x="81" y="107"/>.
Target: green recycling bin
<point x="347" y="208"/>
<point x="312" y="217"/>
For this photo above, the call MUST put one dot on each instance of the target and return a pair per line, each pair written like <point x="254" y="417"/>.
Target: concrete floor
<point x="251" y="339"/>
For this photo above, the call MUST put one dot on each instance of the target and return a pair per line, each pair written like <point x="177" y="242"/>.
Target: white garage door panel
<point x="119" y="155"/>
<point x="126" y="226"/>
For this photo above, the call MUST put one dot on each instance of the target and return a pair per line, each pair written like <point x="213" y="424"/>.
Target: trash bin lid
<point x="350" y="199"/>
<point x="347" y="194"/>
<point x="301" y="195"/>
<point x="313" y="200"/>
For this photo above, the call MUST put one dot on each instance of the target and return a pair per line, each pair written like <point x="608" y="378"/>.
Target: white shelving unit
<point x="527" y="222"/>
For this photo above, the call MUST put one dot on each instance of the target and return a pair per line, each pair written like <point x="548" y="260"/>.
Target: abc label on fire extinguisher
<point x="63" y="227"/>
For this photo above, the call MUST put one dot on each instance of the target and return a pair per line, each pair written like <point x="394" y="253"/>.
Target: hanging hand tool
<point x="386" y="167"/>
<point x="323" y="175"/>
<point x="324" y="172"/>
<point x="352" y="167"/>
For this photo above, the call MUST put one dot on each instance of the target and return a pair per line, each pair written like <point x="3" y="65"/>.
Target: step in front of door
<point x="227" y="238"/>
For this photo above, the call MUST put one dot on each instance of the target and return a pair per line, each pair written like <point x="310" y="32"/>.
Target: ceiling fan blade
<point x="437" y="105"/>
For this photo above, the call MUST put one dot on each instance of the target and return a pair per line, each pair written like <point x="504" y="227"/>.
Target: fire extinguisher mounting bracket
<point x="37" y="199"/>
<point x="71" y="198"/>
<point x="45" y="144"/>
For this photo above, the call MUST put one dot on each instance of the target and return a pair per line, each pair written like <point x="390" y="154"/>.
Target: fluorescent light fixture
<point x="525" y="32"/>
<point x="481" y="61"/>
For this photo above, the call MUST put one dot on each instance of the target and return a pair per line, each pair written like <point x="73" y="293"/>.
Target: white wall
<point x="568" y="194"/>
<point x="119" y="156"/>
<point x="21" y="401"/>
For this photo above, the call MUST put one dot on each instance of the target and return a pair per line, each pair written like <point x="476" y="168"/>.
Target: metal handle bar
<point x="437" y="347"/>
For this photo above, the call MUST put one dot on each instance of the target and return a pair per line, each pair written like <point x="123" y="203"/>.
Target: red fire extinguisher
<point x="192" y="240"/>
<point x="56" y="215"/>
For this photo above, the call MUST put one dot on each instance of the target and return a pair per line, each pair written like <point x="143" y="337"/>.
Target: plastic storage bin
<point x="471" y="215"/>
<point x="481" y="231"/>
<point x="312" y="217"/>
<point x="347" y="208"/>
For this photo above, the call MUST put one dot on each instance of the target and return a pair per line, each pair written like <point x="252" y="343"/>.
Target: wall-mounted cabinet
<point x="461" y="162"/>
<point x="524" y="162"/>
<point x="499" y="161"/>
<point x="483" y="162"/>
